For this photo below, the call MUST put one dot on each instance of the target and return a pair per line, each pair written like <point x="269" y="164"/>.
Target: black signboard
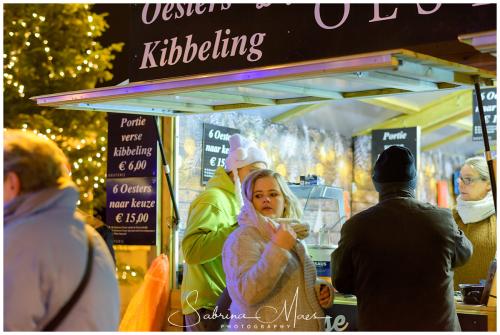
<point x="340" y="317"/>
<point x="489" y="98"/>
<point x="131" y="209"/>
<point x="131" y="146"/>
<point x="175" y="39"/>
<point x="404" y="137"/>
<point x="215" y="146"/>
<point x="131" y="179"/>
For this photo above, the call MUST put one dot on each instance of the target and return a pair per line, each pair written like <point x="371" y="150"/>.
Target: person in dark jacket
<point x="398" y="256"/>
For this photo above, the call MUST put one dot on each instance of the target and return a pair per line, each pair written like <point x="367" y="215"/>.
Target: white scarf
<point x="475" y="211"/>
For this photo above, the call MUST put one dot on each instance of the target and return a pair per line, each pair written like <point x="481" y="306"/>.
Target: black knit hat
<point x="395" y="164"/>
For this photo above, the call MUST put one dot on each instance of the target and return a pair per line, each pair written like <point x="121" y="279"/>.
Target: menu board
<point x="404" y="137"/>
<point x="131" y="179"/>
<point x="489" y="99"/>
<point x="215" y="147"/>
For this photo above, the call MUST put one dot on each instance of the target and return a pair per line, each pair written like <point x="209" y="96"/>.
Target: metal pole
<point x="166" y="169"/>
<point x="175" y="218"/>
<point x="486" y="141"/>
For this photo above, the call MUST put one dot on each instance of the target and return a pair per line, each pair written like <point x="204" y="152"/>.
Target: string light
<point x="25" y="36"/>
<point x="127" y="274"/>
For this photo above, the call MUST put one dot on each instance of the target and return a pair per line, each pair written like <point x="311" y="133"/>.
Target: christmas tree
<point x="51" y="48"/>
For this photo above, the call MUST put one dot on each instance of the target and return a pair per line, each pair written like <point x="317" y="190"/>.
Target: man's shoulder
<point x="415" y="206"/>
<point x="408" y="206"/>
<point x="364" y="214"/>
<point x="214" y="194"/>
<point x="426" y="207"/>
<point x="214" y="200"/>
<point x="43" y="226"/>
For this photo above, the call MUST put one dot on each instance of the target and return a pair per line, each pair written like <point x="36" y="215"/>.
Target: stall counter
<point x="471" y="317"/>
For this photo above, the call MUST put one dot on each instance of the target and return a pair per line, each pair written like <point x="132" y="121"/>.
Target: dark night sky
<point x="118" y="21"/>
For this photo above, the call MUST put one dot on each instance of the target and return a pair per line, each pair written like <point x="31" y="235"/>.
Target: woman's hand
<point x="301" y="229"/>
<point x="324" y="297"/>
<point x="284" y="237"/>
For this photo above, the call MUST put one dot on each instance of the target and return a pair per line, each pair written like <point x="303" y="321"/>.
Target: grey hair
<point x="292" y="205"/>
<point x="480" y="165"/>
<point x="37" y="161"/>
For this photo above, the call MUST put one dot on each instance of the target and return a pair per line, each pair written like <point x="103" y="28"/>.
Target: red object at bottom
<point x="442" y="193"/>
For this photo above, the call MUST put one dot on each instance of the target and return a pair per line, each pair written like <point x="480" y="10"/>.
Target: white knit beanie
<point x="242" y="152"/>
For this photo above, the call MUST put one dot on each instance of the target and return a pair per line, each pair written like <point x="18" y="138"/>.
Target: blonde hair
<point x="292" y="205"/>
<point x="480" y="165"/>
<point x="37" y="161"/>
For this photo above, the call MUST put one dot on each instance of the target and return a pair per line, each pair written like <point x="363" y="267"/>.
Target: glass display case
<point x="324" y="211"/>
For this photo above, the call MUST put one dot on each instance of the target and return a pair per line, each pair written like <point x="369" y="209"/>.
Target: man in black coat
<point x="398" y="256"/>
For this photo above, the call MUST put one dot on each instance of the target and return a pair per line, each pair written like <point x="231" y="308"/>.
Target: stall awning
<point x="360" y="76"/>
<point x="352" y="95"/>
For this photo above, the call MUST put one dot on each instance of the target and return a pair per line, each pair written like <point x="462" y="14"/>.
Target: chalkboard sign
<point x="131" y="146"/>
<point x="132" y="210"/>
<point x="489" y="98"/>
<point x="131" y="179"/>
<point x="404" y="137"/>
<point x="215" y="146"/>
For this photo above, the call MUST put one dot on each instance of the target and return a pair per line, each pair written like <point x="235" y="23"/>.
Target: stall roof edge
<point x="388" y="60"/>
<point x="350" y="95"/>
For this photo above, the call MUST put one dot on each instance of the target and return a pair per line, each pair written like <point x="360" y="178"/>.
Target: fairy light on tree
<point x="47" y="49"/>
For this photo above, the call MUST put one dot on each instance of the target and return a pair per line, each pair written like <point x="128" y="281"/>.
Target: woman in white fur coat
<point x="270" y="278"/>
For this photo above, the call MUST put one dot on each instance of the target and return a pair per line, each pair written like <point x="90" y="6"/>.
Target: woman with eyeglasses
<point x="475" y="216"/>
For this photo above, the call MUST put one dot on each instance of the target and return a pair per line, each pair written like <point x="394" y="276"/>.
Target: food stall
<point x="192" y="64"/>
